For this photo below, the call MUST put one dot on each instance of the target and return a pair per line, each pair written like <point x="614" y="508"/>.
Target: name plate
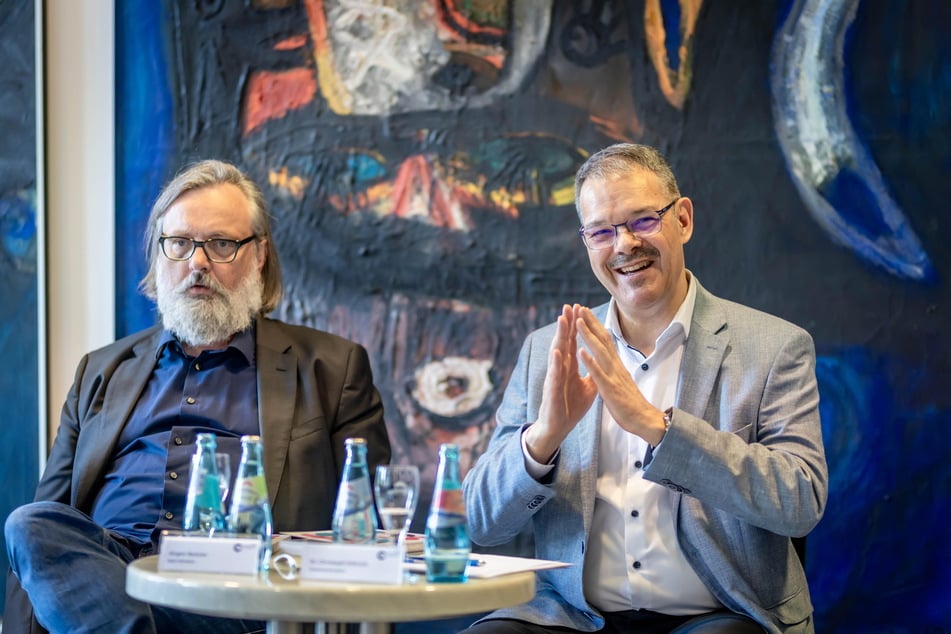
<point x="358" y="563"/>
<point x="200" y="553"/>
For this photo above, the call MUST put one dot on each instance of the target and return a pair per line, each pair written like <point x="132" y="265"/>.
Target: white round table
<point x="288" y="605"/>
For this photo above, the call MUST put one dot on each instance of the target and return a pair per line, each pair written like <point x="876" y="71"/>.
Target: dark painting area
<point x="425" y="211"/>
<point x="19" y="435"/>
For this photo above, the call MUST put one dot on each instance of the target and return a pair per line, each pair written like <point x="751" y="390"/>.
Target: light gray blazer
<point x="743" y="461"/>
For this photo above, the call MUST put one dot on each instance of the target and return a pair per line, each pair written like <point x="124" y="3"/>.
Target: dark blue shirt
<point x="146" y="484"/>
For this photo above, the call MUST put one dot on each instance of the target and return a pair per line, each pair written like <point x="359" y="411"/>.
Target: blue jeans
<point x="73" y="570"/>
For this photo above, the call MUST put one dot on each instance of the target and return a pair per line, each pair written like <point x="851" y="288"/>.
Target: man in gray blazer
<point x="118" y="471"/>
<point x="666" y="444"/>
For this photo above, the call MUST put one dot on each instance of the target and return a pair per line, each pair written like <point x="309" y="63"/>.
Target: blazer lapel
<point x="277" y="394"/>
<point x="703" y="354"/>
<point x="588" y="441"/>
<point x="97" y="442"/>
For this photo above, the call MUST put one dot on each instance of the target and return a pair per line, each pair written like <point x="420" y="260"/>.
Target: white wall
<point x="79" y="187"/>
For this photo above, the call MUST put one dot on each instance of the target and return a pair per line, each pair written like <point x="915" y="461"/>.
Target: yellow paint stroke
<point x="674" y="85"/>
<point x="293" y="185"/>
<point x="336" y="95"/>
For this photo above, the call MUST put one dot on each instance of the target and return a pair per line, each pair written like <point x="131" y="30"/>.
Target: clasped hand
<point x="567" y="395"/>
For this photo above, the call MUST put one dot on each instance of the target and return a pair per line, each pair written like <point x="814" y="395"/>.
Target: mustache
<point x="638" y="254"/>
<point x="200" y="279"/>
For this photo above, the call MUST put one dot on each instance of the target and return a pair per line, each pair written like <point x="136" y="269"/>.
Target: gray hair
<point x="621" y="158"/>
<point x="206" y="174"/>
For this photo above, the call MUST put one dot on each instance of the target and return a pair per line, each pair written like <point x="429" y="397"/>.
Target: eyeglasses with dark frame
<point x="604" y="236"/>
<point x="218" y="250"/>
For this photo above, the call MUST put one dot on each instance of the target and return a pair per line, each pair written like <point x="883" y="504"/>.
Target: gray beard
<point x="202" y="321"/>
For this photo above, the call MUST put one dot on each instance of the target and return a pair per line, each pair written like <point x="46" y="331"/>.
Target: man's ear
<point x="685" y="219"/>
<point x="262" y="259"/>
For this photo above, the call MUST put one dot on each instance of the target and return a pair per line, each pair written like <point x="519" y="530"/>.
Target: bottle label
<point x="449" y="507"/>
<point x="250" y="510"/>
<point x="250" y="491"/>
<point x="354" y="519"/>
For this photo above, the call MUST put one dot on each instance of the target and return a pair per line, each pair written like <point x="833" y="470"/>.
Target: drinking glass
<point x="396" y="490"/>
<point x="223" y="462"/>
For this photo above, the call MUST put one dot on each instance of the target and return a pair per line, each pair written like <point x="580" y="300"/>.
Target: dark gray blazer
<point x="314" y="390"/>
<point x="743" y="463"/>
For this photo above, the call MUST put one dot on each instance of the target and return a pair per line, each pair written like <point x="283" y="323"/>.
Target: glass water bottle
<point x="203" y="512"/>
<point x="354" y="518"/>
<point x="447" y="544"/>
<point x="250" y="506"/>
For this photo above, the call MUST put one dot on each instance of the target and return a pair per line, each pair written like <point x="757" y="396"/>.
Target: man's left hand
<point x="621" y="395"/>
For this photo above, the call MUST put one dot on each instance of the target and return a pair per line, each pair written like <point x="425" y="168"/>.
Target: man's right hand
<point x="566" y="395"/>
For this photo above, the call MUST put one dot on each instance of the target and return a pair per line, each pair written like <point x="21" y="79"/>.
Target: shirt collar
<point x="243" y="342"/>
<point x="682" y="318"/>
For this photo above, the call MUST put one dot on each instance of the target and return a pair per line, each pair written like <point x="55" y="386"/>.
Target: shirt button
<point x="169" y="515"/>
<point x="638" y="464"/>
<point x="637" y="565"/>
<point x="178" y="441"/>
<point x="190" y="400"/>
<point x="173" y="475"/>
<point x="635" y="513"/>
<point x="197" y="366"/>
<point x="645" y="367"/>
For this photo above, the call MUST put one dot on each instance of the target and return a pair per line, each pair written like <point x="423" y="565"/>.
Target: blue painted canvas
<point x="19" y="434"/>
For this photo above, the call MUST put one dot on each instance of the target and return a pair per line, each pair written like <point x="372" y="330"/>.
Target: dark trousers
<point x="636" y="622"/>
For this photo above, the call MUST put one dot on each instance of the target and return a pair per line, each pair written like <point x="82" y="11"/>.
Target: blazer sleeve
<point x="501" y="496"/>
<point x="756" y="452"/>
<point x="56" y="483"/>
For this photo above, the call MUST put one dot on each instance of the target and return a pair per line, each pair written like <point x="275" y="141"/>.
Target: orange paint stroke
<point x="460" y="18"/>
<point x="287" y="182"/>
<point x="270" y="95"/>
<point x="331" y="86"/>
<point x="674" y="85"/>
<point x="611" y="128"/>
<point x="291" y="43"/>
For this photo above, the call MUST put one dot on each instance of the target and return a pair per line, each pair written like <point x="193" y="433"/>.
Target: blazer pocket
<point x="793" y="609"/>
<point x="745" y="432"/>
<point x="308" y="427"/>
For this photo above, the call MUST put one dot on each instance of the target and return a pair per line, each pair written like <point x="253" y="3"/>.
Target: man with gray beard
<point x="117" y="474"/>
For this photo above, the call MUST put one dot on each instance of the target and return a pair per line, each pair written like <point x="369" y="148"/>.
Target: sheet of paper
<point x="486" y="566"/>
<point x="413" y="542"/>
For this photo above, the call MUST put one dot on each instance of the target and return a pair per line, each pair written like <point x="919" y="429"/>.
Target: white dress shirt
<point x="633" y="558"/>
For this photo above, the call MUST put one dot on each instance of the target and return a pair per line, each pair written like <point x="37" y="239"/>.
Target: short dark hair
<point x="206" y="174"/>
<point x="623" y="157"/>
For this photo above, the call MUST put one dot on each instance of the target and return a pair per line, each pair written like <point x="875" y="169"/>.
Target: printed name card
<point x="357" y="563"/>
<point x="200" y="553"/>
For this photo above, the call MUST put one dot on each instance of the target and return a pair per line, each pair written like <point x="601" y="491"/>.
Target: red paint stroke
<point x="291" y="43"/>
<point x="416" y="184"/>
<point x="271" y="95"/>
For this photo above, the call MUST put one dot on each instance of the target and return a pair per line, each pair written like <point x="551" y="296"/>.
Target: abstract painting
<point x="418" y="158"/>
<point x="19" y="426"/>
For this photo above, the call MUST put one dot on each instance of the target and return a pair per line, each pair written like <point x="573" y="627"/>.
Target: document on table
<point x="484" y="566"/>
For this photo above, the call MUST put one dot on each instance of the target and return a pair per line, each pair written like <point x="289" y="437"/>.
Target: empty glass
<point x="396" y="489"/>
